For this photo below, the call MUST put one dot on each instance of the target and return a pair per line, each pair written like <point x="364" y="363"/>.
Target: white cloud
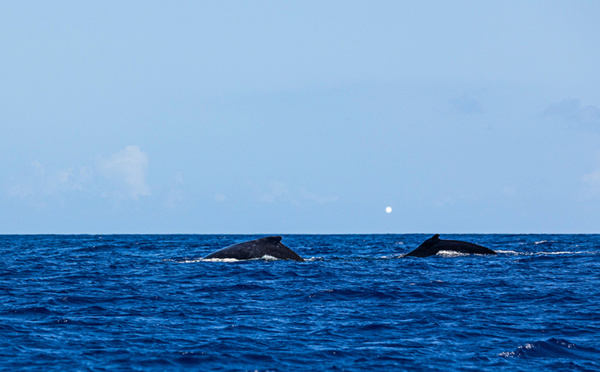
<point x="275" y="190"/>
<point x="592" y="181"/>
<point x="279" y="191"/>
<point x="125" y="170"/>
<point x="509" y="191"/>
<point x="174" y="198"/>
<point x="593" y="178"/>
<point x="21" y="190"/>
<point x="307" y="195"/>
<point x="68" y="179"/>
<point x="219" y="198"/>
<point x="573" y="111"/>
<point x="128" y="168"/>
<point x="466" y="105"/>
<point x="176" y="194"/>
<point x="39" y="181"/>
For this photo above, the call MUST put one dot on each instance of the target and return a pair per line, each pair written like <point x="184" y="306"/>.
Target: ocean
<point x="150" y="303"/>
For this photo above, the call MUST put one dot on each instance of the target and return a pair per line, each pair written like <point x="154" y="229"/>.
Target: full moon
<point x="388" y="210"/>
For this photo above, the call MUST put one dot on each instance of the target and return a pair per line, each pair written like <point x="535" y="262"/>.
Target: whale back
<point x="268" y="246"/>
<point x="434" y="245"/>
<point x="427" y="248"/>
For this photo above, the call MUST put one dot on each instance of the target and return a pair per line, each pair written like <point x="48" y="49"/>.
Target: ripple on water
<point x="149" y="302"/>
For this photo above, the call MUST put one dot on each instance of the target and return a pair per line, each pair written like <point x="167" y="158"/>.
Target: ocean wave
<point x="353" y="306"/>
<point x="552" y="348"/>
<point x="349" y="294"/>
<point x="445" y="254"/>
<point x="503" y="251"/>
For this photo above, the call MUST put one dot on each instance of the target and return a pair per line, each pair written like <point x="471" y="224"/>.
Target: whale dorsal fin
<point x="273" y="239"/>
<point x="435" y="237"/>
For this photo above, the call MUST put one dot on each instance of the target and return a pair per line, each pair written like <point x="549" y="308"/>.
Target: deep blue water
<point x="147" y="302"/>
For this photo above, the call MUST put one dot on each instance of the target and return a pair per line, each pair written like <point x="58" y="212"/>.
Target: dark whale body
<point x="269" y="246"/>
<point x="434" y="244"/>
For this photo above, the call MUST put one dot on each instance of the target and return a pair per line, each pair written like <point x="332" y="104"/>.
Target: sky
<point x="299" y="117"/>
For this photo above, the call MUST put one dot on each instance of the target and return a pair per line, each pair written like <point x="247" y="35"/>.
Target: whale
<point x="434" y="244"/>
<point x="268" y="246"/>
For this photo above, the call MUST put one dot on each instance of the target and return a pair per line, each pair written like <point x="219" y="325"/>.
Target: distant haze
<point x="300" y="117"/>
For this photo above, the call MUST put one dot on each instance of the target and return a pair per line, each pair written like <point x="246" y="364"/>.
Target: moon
<point x="388" y="210"/>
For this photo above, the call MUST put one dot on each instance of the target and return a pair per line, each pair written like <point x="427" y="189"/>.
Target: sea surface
<point x="150" y="303"/>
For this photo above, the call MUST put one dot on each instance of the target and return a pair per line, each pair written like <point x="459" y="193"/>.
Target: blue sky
<point x="300" y="117"/>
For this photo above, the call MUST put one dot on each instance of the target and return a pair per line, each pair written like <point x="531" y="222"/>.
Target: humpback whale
<point x="269" y="246"/>
<point x="434" y="244"/>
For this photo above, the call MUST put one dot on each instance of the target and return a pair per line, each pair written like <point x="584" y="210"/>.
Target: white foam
<point x="182" y="261"/>
<point x="556" y="253"/>
<point x="217" y="260"/>
<point x="451" y="254"/>
<point x="266" y="257"/>
<point x="190" y="261"/>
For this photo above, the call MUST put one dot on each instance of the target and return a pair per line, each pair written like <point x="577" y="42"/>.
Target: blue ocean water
<point x="148" y="302"/>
